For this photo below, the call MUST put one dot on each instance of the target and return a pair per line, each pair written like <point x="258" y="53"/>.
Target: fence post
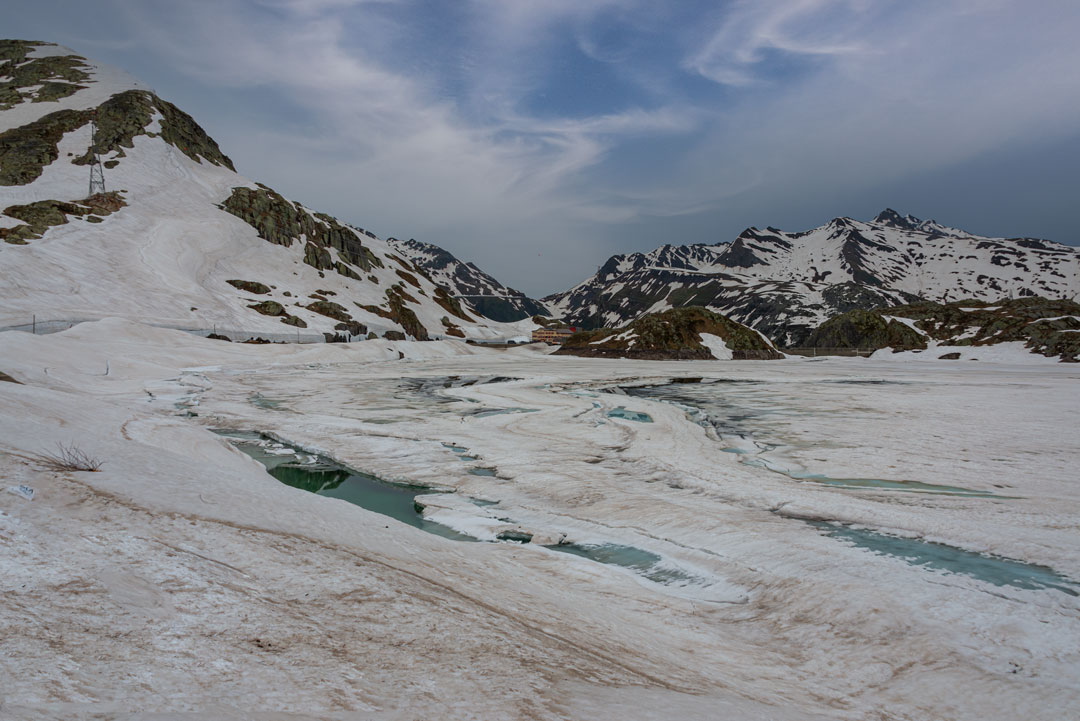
<point x="35" y="323"/>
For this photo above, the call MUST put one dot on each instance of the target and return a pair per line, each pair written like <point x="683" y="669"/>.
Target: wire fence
<point x="45" y="327"/>
<point x="812" y="352"/>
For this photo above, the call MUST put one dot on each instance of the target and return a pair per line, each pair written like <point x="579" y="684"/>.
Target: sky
<point x="537" y="138"/>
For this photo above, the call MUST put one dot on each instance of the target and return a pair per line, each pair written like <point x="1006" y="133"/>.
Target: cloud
<point x="495" y="128"/>
<point x="405" y="150"/>
<point x="905" y="87"/>
<point x="749" y="31"/>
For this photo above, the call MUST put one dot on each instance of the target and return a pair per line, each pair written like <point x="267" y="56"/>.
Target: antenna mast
<point x="97" y="173"/>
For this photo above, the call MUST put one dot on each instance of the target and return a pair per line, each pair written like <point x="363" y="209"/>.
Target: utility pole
<point x="97" y="173"/>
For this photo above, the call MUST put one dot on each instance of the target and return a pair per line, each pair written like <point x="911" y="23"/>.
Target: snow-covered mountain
<point x="786" y="284"/>
<point x="481" y="291"/>
<point x="180" y="239"/>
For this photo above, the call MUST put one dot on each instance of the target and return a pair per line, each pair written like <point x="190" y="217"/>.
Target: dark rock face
<point x="44" y="214"/>
<point x="269" y="307"/>
<point x="282" y="223"/>
<point x="739" y="254"/>
<point x="517" y="536"/>
<point x="671" y="335"/>
<point x="294" y="321"/>
<point x="352" y="328"/>
<point x="466" y="282"/>
<point x="330" y="309"/>
<point x="865" y="329"/>
<point x="403" y="315"/>
<point x="39" y="80"/>
<point x="1046" y="326"/>
<point x="250" y="286"/>
<point x="27" y="149"/>
<point x="955" y="355"/>
<point x="450" y="304"/>
<point x="126" y="115"/>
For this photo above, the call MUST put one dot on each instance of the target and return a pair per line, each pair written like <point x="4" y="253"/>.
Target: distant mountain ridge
<point x="786" y="284"/>
<point x="484" y="293"/>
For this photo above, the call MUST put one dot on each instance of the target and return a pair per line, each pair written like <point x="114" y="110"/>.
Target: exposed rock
<point x="673" y="334"/>
<point x="281" y="222"/>
<point x="451" y="305"/>
<point x="294" y="321"/>
<point x="330" y="309"/>
<point x="865" y="329"/>
<point x="515" y="535"/>
<point x="27" y="149"/>
<point x="548" y="322"/>
<point x="250" y="286"/>
<point x="124" y="116"/>
<point x="352" y="328"/>
<point x="467" y="283"/>
<point x="451" y="328"/>
<point x="1048" y="327"/>
<point x="44" y="214"/>
<point x="404" y="316"/>
<point x="949" y="356"/>
<point x="40" y="79"/>
<point x="408" y="277"/>
<point x="269" y="307"/>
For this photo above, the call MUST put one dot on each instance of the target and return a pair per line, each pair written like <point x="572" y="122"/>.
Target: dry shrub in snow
<point x="68" y="458"/>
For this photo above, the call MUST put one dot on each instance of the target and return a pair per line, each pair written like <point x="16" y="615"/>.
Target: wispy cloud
<point x="749" y="31"/>
<point x="576" y="127"/>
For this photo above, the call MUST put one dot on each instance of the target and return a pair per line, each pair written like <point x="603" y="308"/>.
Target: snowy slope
<point x="484" y="293"/>
<point x="784" y="284"/>
<point x="165" y="257"/>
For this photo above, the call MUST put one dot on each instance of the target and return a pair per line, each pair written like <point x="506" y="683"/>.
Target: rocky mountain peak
<point x="784" y="284"/>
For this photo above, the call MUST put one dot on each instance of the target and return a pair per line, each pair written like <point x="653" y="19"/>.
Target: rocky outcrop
<point x="670" y="335"/>
<point x="126" y="115"/>
<point x="403" y="315"/>
<point x="273" y="308"/>
<point x="26" y="150"/>
<point x="865" y="329"/>
<point x="331" y="310"/>
<point x="250" y="286"/>
<point x="38" y="80"/>
<point x="282" y="222"/>
<point x="1046" y="326"/>
<point x="44" y="214"/>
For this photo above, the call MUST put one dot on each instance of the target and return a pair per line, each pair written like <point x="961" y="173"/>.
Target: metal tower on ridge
<point x="97" y="173"/>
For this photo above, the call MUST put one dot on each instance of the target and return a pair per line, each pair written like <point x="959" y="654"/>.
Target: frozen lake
<point x="845" y="538"/>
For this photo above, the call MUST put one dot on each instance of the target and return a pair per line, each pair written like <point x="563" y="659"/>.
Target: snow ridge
<point x="784" y="284"/>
